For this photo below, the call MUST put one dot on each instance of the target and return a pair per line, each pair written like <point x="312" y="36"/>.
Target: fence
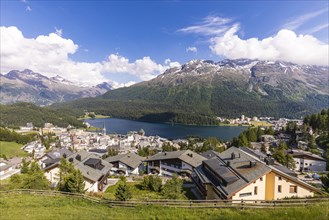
<point x="181" y="203"/>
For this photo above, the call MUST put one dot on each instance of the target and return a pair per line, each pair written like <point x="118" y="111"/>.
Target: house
<point x="54" y="157"/>
<point x="35" y="147"/>
<point x="267" y="138"/>
<point x="168" y="163"/>
<point x="94" y="170"/>
<point x="306" y="161"/>
<point x="127" y="164"/>
<point x="7" y="169"/>
<point x="238" y="175"/>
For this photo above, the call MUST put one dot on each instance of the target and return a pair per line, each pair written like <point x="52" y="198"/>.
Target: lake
<point x="122" y="126"/>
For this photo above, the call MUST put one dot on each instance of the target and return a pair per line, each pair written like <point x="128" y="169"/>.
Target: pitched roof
<point x="210" y="154"/>
<point x="305" y="154"/>
<point x="230" y="175"/>
<point x="235" y="168"/>
<point x="187" y="156"/>
<point x="83" y="161"/>
<point x="131" y="159"/>
<point x="59" y="153"/>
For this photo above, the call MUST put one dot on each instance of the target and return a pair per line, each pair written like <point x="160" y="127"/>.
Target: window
<point x="301" y="163"/>
<point x="297" y="162"/>
<point x="292" y="189"/>
<point x="261" y="179"/>
<point x="255" y="190"/>
<point x="305" y="163"/>
<point x="279" y="188"/>
<point x="245" y="194"/>
<point x="280" y="178"/>
<point x="310" y="164"/>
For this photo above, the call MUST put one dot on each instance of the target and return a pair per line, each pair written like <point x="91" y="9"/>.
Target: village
<point x="219" y="172"/>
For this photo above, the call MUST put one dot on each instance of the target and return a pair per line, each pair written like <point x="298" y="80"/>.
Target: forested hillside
<point x="21" y="113"/>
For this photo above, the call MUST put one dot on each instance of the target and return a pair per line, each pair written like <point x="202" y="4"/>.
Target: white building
<point x="306" y="161"/>
<point x="94" y="170"/>
<point x="180" y="162"/>
<point x="130" y="163"/>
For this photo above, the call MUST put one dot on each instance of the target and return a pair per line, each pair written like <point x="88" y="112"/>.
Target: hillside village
<point x="214" y="169"/>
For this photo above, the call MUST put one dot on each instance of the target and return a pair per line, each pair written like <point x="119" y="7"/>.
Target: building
<point x="127" y="164"/>
<point x="306" y="161"/>
<point x="168" y="163"/>
<point x="54" y="157"/>
<point x="238" y="175"/>
<point x="94" y="170"/>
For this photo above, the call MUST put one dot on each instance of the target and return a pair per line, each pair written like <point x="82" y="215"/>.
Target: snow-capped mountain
<point x="234" y="87"/>
<point x="28" y="86"/>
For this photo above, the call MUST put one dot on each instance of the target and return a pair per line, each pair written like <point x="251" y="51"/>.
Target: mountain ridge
<point x="29" y="86"/>
<point x="229" y="88"/>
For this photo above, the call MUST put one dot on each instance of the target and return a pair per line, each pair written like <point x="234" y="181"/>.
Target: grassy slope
<point x="11" y="149"/>
<point x="139" y="194"/>
<point x="38" y="207"/>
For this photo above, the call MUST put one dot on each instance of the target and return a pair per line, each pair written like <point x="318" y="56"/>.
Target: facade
<point x="306" y="161"/>
<point x="127" y="164"/>
<point x="168" y="163"/>
<point x="94" y="170"/>
<point x="240" y="175"/>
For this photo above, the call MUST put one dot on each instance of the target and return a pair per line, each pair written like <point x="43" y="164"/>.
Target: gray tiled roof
<point x="59" y="153"/>
<point x="236" y="175"/>
<point x="300" y="153"/>
<point x="237" y="172"/>
<point x="210" y="154"/>
<point x="131" y="159"/>
<point x="187" y="156"/>
<point x="87" y="171"/>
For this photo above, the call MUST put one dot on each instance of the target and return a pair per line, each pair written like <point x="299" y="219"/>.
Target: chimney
<point x="71" y="159"/>
<point x="78" y="157"/>
<point x="269" y="161"/>
<point x="252" y="163"/>
<point x="228" y="163"/>
<point x="64" y="155"/>
<point x="232" y="155"/>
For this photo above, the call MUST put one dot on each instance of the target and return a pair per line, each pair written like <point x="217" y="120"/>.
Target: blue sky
<point x="160" y="30"/>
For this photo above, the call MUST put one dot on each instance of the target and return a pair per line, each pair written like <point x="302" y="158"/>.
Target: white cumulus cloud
<point x="49" y="55"/>
<point x="286" y="45"/>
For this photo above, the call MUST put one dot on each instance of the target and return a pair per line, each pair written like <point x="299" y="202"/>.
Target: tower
<point x="104" y="129"/>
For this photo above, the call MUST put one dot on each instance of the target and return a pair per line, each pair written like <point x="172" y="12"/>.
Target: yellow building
<point x="239" y="173"/>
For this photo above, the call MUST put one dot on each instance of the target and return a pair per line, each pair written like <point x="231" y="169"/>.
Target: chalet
<point x="127" y="164"/>
<point x="306" y="161"/>
<point x="236" y="174"/>
<point x="94" y="170"/>
<point x="168" y="163"/>
<point x="54" y="157"/>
